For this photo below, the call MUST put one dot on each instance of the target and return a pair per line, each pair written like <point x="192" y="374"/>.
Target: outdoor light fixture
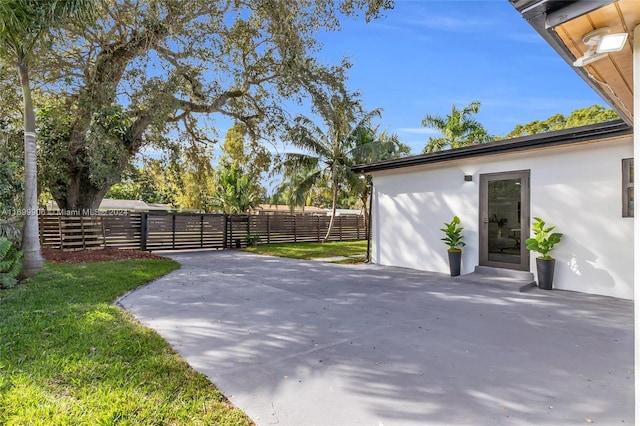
<point x="468" y="178"/>
<point x="600" y="43"/>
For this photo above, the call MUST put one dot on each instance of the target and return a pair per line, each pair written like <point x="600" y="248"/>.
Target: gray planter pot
<point x="455" y="259"/>
<point x="546" y="268"/>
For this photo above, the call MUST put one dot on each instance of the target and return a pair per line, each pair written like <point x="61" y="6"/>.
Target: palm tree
<point x="327" y="152"/>
<point x="371" y="146"/>
<point x="23" y="25"/>
<point x="235" y="191"/>
<point x="458" y="129"/>
<point x="296" y="187"/>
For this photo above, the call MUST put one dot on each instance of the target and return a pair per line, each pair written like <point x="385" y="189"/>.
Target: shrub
<point x="10" y="263"/>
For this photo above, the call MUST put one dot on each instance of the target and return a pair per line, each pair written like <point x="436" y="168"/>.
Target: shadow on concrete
<point x="300" y="342"/>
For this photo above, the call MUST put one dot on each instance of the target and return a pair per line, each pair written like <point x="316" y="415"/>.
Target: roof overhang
<point x="563" y="24"/>
<point x="577" y="135"/>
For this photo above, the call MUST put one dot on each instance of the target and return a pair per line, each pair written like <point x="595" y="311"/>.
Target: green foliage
<point x="245" y="152"/>
<point x="250" y="160"/>
<point x="191" y="177"/>
<point x="235" y="191"/>
<point x="10" y="263"/>
<point x="459" y="129"/>
<point x="151" y="183"/>
<point x="11" y="185"/>
<point x="143" y="71"/>
<point x="544" y="239"/>
<point x="453" y="234"/>
<point x="580" y="117"/>
<point x="71" y="357"/>
<point x="252" y="240"/>
<point x="328" y="151"/>
<point x="54" y="132"/>
<point x="106" y="145"/>
<point x="24" y="28"/>
<point x="11" y="229"/>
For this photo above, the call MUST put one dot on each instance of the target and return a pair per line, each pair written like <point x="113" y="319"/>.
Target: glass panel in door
<point x="504" y="208"/>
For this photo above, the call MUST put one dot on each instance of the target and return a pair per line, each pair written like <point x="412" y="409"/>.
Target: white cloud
<point x="417" y="130"/>
<point x="454" y="23"/>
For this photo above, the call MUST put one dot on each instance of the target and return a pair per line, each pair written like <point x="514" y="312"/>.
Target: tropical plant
<point x="297" y="187"/>
<point x="10" y="263"/>
<point x="544" y="239"/>
<point x="234" y="191"/>
<point x="252" y="240"/>
<point x="458" y="129"/>
<point x="453" y="235"/>
<point x="23" y="26"/>
<point x="328" y="154"/>
<point x="371" y="146"/>
<point x="10" y="228"/>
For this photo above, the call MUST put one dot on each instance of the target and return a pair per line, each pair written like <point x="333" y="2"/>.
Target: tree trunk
<point x="32" y="261"/>
<point x="334" y="202"/>
<point x="364" y="198"/>
<point x="80" y="194"/>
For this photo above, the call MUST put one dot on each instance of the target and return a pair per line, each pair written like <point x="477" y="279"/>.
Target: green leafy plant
<point x="10" y="263"/>
<point x="10" y="229"/>
<point x="252" y="240"/>
<point x="453" y="235"/>
<point x="544" y="239"/>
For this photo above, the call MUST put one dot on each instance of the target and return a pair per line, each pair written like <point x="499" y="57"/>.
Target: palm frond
<point x="435" y="122"/>
<point x="435" y="145"/>
<point x="299" y="161"/>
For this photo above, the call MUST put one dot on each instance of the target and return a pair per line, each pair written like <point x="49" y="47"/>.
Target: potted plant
<point x="453" y="238"/>
<point x="543" y="241"/>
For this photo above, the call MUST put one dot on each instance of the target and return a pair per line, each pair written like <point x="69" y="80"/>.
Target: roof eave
<point x="592" y="132"/>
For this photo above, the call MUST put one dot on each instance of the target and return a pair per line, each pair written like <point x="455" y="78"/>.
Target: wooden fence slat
<point x="163" y="231"/>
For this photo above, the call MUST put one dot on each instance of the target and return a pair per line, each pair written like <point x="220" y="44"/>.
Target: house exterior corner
<point x="576" y="187"/>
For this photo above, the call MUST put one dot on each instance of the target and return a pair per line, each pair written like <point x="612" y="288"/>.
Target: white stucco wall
<point x="577" y="188"/>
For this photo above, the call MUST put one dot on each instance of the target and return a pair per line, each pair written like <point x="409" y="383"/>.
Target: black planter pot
<point x="455" y="258"/>
<point x="546" y="267"/>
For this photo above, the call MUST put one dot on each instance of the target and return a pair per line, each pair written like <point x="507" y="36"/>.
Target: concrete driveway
<point x="308" y="343"/>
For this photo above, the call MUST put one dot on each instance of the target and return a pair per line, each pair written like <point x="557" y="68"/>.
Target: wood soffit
<point x="613" y="75"/>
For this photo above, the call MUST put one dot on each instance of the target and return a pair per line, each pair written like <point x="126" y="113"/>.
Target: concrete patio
<point x="308" y="343"/>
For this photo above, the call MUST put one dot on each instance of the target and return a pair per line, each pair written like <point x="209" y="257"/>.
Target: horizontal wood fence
<point x="181" y="231"/>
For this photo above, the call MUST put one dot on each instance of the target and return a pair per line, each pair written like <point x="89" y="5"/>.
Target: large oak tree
<point x="151" y="71"/>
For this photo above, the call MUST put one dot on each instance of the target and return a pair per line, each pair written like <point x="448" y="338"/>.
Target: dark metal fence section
<point x="181" y="231"/>
<point x="122" y="231"/>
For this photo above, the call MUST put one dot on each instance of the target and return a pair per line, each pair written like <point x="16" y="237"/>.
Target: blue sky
<point x="425" y="56"/>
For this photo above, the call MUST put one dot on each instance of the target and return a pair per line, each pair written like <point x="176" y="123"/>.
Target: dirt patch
<point x="95" y="255"/>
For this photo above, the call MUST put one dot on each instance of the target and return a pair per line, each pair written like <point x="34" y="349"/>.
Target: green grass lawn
<point x="313" y="250"/>
<point x="70" y="357"/>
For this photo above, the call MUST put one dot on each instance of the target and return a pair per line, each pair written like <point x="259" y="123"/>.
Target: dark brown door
<point x="504" y="220"/>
